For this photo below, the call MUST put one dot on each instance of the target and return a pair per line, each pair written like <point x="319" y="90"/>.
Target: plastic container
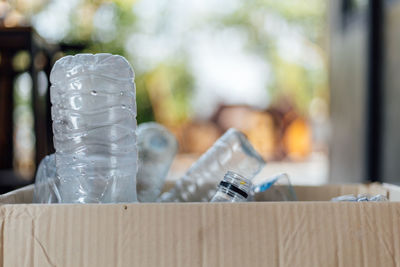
<point x="231" y="152"/>
<point x="94" y="123"/>
<point x="46" y="190"/>
<point x="157" y="148"/>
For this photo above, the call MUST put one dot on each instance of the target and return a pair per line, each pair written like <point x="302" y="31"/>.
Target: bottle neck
<point x="235" y="184"/>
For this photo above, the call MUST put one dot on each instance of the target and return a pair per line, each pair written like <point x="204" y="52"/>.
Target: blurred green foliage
<point x="291" y="80"/>
<point x="170" y="84"/>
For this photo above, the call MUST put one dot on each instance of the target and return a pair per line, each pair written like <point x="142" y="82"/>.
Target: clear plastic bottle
<point x="94" y="123"/>
<point x="233" y="188"/>
<point x="231" y="152"/>
<point x="45" y="181"/>
<point x="360" y="198"/>
<point x="276" y="188"/>
<point x="157" y="148"/>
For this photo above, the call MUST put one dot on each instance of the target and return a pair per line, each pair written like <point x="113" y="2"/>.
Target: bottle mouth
<point x="233" y="188"/>
<point x="236" y="183"/>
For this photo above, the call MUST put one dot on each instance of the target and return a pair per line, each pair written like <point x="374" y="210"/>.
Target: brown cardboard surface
<point x="22" y="195"/>
<point x="203" y="234"/>
<point x="250" y="234"/>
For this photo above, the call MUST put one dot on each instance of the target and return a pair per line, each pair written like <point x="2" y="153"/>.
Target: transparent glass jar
<point x="233" y="188"/>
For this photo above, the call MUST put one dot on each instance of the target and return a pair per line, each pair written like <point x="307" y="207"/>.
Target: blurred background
<point x="311" y="83"/>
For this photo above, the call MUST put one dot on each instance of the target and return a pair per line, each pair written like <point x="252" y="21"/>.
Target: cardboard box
<point x="310" y="232"/>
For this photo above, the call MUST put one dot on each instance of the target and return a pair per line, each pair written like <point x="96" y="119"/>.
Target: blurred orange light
<point x="297" y="139"/>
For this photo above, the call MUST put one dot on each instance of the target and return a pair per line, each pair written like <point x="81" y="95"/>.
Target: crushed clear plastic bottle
<point x="360" y="198"/>
<point x="231" y="152"/>
<point x="157" y="148"/>
<point x="233" y="188"/>
<point x="94" y="123"/>
<point x="45" y="181"/>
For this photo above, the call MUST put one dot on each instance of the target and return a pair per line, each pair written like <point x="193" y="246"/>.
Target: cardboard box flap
<point x="304" y="193"/>
<point x="22" y="195"/>
<point x="393" y="191"/>
<point x="323" y="193"/>
<point x="198" y="234"/>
